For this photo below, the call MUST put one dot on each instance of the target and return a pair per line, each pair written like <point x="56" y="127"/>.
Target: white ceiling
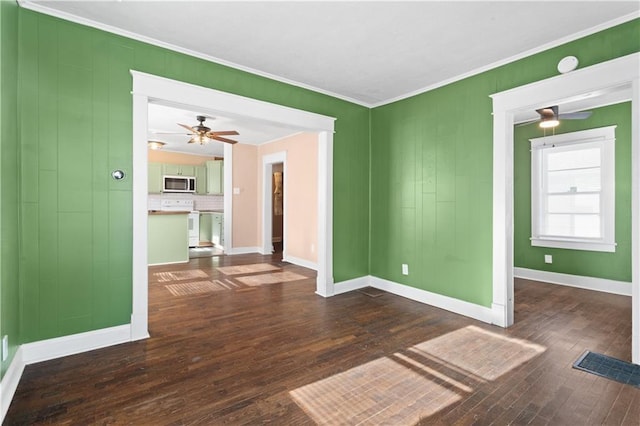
<point x="367" y="52"/>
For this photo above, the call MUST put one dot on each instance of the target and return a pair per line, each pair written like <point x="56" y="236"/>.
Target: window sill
<point x="574" y="244"/>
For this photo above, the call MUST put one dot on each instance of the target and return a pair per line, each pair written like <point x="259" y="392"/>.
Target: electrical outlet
<point x="548" y="258"/>
<point x="313" y="248"/>
<point x="405" y="269"/>
<point x="236" y="191"/>
<point x="5" y="347"/>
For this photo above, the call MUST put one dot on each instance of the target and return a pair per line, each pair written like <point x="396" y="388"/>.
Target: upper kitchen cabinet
<point x="215" y="177"/>
<point x="155" y="178"/>
<point x="178" y="170"/>
<point x="201" y="180"/>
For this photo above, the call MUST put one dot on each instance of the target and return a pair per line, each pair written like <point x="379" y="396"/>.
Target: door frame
<point x="150" y="88"/>
<point x="590" y="82"/>
<point x="267" y="205"/>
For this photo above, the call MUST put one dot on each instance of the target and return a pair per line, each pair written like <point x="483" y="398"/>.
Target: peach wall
<point x="159" y="156"/>
<point x="301" y="193"/>
<point x="245" y="177"/>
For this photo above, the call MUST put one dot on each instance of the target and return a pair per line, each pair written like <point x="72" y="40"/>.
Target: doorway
<point x="277" y="209"/>
<point x="621" y="74"/>
<point x="274" y="203"/>
<point x="146" y="88"/>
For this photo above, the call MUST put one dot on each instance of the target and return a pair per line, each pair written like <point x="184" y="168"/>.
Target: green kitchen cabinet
<point x="206" y="222"/>
<point x="178" y="170"/>
<point x="215" y="177"/>
<point x="217" y="229"/>
<point x="154" y="172"/>
<point x="168" y="238"/>
<point x="201" y="180"/>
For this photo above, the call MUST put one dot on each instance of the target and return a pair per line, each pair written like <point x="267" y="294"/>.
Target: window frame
<point x="602" y="137"/>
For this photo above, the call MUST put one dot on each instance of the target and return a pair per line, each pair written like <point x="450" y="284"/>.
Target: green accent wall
<point x="614" y="266"/>
<point x="76" y="125"/>
<point x="431" y="172"/>
<point x="9" y="290"/>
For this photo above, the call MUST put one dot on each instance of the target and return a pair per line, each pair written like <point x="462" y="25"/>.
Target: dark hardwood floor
<point x="232" y="349"/>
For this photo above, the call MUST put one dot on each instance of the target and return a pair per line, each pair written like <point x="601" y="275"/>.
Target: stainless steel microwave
<point x="178" y="184"/>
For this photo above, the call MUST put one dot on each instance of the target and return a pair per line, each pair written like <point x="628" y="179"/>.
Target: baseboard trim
<point x="460" y="307"/>
<point x="10" y="382"/>
<point x="45" y="350"/>
<point x="169" y="263"/>
<point x="350" y="285"/>
<point x="301" y="262"/>
<point x="589" y="283"/>
<point x="244" y="250"/>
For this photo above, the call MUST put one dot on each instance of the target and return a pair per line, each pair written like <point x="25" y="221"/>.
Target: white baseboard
<point x="301" y="262"/>
<point x="10" y="382"/>
<point x="169" y="263"/>
<point x="481" y="313"/>
<point x="350" y="285"/>
<point x="244" y="250"/>
<point x="589" y="283"/>
<point x="44" y="350"/>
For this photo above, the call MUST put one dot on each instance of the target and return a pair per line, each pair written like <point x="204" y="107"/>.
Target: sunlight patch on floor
<point x="378" y="392"/>
<point x="479" y="352"/>
<point x="276" y="277"/>
<point x="247" y="269"/>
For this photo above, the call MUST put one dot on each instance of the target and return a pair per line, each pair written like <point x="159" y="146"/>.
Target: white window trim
<point x="605" y="136"/>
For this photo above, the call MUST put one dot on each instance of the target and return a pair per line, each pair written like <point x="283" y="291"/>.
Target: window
<point x="572" y="190"/>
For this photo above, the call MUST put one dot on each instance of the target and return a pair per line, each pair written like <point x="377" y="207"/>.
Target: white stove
<point x="176" y="205"/>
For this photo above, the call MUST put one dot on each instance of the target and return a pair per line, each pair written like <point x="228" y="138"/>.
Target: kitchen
<point x="186" y="207"/>
<point x="186" y="181"/>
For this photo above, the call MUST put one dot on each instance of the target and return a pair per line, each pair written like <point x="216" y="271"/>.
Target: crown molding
<point x="37" y="7"/>
<point x="530" y="52"/>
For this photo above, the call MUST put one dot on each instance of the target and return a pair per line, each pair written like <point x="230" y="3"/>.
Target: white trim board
<point x="582" y="84"/>
<point x="457" y="306"/>
<point x="45" y="350"/>
<point x="301" y="262"/>
<point x="244" y="250"/>
<point x="588" y="283"/>
<point x="352" y="284"/>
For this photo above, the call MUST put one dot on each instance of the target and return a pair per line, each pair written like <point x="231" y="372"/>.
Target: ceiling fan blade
<point x="189" y="128"/>
<point x="218" y="138"/>
<point x="223" y="132"/>
<point x="575" y="115"/>
<point x="170" y="133"/>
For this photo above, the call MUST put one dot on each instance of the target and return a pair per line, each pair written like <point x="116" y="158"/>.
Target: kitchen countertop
<point x="211" y="211"/>
<point x="161" y="212"/>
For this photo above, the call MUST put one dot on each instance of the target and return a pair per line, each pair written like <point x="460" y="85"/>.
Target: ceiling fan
<point x="202" y="134"/>
<point x="550" y="117"/>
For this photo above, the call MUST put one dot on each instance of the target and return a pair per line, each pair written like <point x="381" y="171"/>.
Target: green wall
<point x="431" y="172"/>
<point x="412" y="180"/>
<point x="9" y="300"/>
<point x="615" y="266"/>
<point x="76" y="113"/>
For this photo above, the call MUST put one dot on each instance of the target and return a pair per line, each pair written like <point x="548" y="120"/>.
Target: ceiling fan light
<point x="549" y="122"/>
<point x="155" y="144"/>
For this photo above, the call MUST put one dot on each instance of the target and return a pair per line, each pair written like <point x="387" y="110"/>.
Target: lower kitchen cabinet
<point x="205" y="227"/>
<point x="168" y="238"/>
<point x="217" y="229"/>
